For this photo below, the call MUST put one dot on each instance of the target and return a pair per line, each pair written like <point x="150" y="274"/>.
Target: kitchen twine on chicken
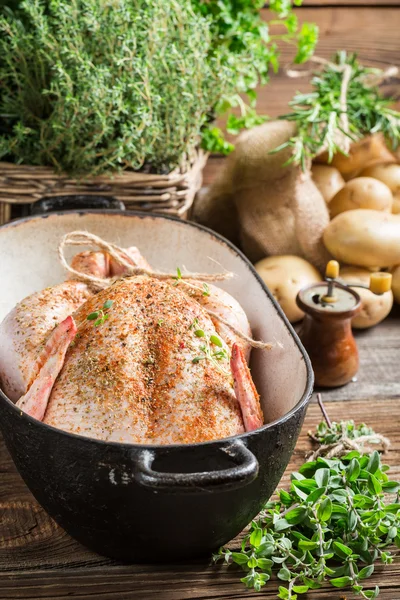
<point x="343" y="136"/>
<point x="84" y="238"/>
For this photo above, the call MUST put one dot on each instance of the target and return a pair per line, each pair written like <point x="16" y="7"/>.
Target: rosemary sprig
<point x="317" y="114"/>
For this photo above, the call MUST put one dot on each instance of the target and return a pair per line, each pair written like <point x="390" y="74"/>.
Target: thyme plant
<point x="90" y="86"/>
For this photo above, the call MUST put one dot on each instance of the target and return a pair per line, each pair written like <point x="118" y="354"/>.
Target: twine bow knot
<point x="84" y="238"/>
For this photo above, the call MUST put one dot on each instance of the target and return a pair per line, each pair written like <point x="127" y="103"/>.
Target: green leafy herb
<point x="325" y="434"/>
<point x="100" y="316"/>
<point x="248" y="48"/>
<point x="214" y="339"/>
<point x="102" y="86"/>
<point x="317" y="114"/>
<point x="194" y="324"/>
<point x="93" y="316"/>
<point x="213" y="140"/>
<point x="89" y="87"/>
<point x="160" y="322"/>
<point x="206" y="290"/>
<point x="178" y="276"/>
<point x="221" y="354"/>
<point x="209" y="354"/>
<point x="331" y="526"/>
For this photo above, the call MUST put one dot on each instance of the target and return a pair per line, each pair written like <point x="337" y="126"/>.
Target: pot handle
<point x="243" y="473"/>
<point x="75" y="202"/>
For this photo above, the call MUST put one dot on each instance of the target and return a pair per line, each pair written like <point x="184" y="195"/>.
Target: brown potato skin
<point x="396" y="283"/>
<point x="374" y="308"/>
<point x="328" y="180"/>
<point x="388" y="173"/>
<point x="285" y="276"/>
<point x="362" y="192"/>
<point x="396" y="204"/>
<point x="366" y="238"/>
<point x="370" y="150"/>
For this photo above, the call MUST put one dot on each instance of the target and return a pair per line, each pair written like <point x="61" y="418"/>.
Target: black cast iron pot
<point x="149" y="503"/>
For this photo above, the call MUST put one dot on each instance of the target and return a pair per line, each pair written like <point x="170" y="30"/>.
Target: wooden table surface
<point x="39" y="560"/>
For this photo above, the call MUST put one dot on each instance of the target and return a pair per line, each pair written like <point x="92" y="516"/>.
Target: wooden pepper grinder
<point x="326" y="331"/>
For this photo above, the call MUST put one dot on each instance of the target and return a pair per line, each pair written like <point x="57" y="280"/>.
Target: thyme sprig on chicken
<point x="100" y="316"/>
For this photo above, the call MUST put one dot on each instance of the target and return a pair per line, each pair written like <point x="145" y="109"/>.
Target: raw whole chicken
<point x="143" y="361"/>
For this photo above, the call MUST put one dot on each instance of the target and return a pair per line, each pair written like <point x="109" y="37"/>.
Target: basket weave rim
<point x="173" y="192"/>
<point x="11" y="169"/>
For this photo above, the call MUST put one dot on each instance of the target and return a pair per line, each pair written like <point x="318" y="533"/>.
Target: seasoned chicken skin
<point x="150" y="365"/>
<point x="26" y="328"/>
<point x="136" y="377"/>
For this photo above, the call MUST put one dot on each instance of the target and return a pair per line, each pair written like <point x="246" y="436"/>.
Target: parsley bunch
<point x="317" y="113"/>
<point x="332" y="525"/>
<point x="248" y="47"/>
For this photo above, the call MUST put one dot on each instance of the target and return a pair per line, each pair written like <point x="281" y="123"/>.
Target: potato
<point x="396" y="283"/>
<point x="366" y="238"/>
<point x="396" y="204"/>
<point x="286" y="276"/>
<point x="362" y="192"/>
<point x="389" y="173"/>
<point x="374" y="308"/>
<point x="369" y="150"/>
<point x="328" y="180"/>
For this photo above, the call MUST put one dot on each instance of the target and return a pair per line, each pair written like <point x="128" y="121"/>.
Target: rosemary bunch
<point x="317" y="114"/>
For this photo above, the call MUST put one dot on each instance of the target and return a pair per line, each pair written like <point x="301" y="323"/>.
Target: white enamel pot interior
<point x="29" y="262"/>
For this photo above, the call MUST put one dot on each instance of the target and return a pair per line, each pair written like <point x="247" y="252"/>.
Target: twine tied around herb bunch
<point x="343" y="135"/>
<point x="345" y="444"/>
<point x="84" y="238"/>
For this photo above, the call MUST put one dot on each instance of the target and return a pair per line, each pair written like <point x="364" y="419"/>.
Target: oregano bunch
<point x="333" y="433"/>
<point x="331" y="526"/>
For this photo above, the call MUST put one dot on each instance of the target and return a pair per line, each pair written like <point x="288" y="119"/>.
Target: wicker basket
<point x="172" y="193"/>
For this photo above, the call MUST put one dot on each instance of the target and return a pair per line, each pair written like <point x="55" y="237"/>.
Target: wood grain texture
<point x="370" y="31"/>
<point x="39" y="560"/>
<point x="379" y="363"/>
